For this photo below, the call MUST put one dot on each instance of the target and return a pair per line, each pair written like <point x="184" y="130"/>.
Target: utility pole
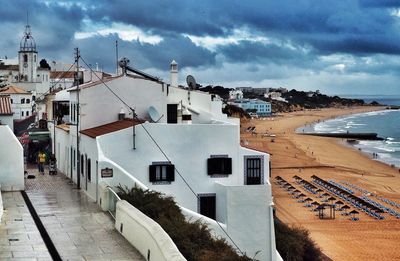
<point x="78" y="156"/>
<point x="116" y="56"/>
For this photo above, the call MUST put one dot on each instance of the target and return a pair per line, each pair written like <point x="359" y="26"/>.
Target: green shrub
<point x="295" y="244"/>
<point x="193" y="239"/>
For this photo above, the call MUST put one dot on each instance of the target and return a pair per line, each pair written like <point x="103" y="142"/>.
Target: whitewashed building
<point x="21" y="101"/>
<point x="261" y="108"/>
<point x="6" y="114"/>
<point x="180" y="144"/>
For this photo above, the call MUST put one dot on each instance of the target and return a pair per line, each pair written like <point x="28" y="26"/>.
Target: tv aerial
<point x="191" y="82"/>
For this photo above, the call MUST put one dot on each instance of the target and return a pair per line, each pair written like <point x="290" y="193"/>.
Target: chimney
<point x="121" y="115"/>
<point x="174" y="73"/>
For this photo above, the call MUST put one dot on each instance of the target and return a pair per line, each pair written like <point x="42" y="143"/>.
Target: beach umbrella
<point x="331" y="198"/>
<point x="315" y="203"/>
<point x="308" y="199"/>
<point x="296" y="191"/>
<point x="379" y="211"/>
<point x="339" y="202"/>
<point x="325" y="194"/>
<point x="354" y="213"/>
<point x="319" y="190"/>
<point x="278" y="177"/>
<point x="301" y="195"/>
<point x="344" y="208"/>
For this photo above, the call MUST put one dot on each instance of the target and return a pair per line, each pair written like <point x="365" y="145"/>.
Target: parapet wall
<point x="11" y="161"/>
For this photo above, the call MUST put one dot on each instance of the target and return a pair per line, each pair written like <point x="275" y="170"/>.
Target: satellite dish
<point x="191" y="82"/>
<point x="154" y="115"/>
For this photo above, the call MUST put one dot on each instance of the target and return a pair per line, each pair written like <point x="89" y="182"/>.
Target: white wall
<point x="7" y="120"/>
<point x="11" y="161"/>
<point x="145" y="234"/>
<point x="99" y="106"/>
<point x="250" y="219"/>
<point x="1" y="205"/>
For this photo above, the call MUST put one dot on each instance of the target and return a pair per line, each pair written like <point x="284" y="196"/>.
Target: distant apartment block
<point x="261" y="108"/>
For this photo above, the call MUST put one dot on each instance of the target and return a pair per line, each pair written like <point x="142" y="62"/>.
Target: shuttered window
<point x="221" y="166"/>
<point x="162" y="172"/>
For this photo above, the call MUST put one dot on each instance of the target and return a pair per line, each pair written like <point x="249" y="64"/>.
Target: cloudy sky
<point x="338" y="47"/>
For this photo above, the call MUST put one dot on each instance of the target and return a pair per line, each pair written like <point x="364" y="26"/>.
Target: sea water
<point x="385" y="123"/>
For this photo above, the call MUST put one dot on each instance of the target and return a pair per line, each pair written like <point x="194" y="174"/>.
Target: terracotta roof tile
<point x="110" y="127"/>
<point x="9" y="67"/>
<point x="13" y="90"/>
<point x="61" y="75"/>
<point x="5" y="105"/>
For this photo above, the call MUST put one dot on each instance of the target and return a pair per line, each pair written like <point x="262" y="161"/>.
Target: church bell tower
<point x="28" y="58"/>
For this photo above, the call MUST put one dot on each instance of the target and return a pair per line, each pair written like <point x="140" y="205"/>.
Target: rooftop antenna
<point x="191" y="82"/>
<point x="116" y="56"/>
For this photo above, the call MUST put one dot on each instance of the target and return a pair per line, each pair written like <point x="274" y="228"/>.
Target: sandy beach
<point x="328" y="158"/>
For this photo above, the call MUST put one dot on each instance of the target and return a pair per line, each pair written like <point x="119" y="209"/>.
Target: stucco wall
<point x="1" y="205"/>
<point x="7" y="120"/>
<point x="99" y="106"/>
<point x="11" y="161"/>
<point x="145" y="234"/>
<point x="196" y="144"/>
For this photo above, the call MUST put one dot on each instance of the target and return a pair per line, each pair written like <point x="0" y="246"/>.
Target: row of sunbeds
<point x="357" y="202"/>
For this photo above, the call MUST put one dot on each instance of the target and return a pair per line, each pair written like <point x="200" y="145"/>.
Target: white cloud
<point x="124" y="32"/>
<point x="239" y="34"/>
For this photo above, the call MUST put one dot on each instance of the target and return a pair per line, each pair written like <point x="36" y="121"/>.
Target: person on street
<point x="41" y="161"/>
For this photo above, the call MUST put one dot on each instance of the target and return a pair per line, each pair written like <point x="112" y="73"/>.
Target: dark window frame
<point x="161" y="173"/>
<point x="219" y="166"/>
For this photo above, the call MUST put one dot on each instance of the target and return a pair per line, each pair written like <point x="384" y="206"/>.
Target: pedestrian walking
<point x="41" y="161"/>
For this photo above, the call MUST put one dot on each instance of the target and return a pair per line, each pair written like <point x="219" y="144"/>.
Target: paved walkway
<point x="19" y="237"/>
<point x="79" y="229"/>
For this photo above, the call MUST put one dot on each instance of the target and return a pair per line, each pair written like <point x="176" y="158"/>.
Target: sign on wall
<point x="107" y="173"/>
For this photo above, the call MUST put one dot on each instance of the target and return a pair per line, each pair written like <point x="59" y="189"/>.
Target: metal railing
<point x="113" y="198"/>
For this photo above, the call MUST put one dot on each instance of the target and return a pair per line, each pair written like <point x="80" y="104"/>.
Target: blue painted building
<point x="262" y="108"/>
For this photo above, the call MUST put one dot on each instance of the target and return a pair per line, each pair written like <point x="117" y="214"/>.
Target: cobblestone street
<point x="79" y="229"/>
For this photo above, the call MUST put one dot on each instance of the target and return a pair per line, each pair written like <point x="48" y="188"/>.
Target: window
<point x="219" y="165"/>
<point x="33" y="97"/>
<point x="207" y="205"/>
<point x="89" y="169"/>
<point x="25" y="58"/>
<point x="27" y="113"/>
<point x="28" y="101"/>
<point x="22" y="113"/>
<point x="11" y="100"/>
<point x="172" y="113"/>
<point x="74" y="159"/>
<point x="22" y="100"/>
<point x="82" y="165"/>
<point x="162" y="172"/>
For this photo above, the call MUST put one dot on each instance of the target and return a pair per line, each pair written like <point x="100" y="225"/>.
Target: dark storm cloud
<point x="359" y="28"/>
<point x="144" y="55"/>
<point x="250" y="51"/>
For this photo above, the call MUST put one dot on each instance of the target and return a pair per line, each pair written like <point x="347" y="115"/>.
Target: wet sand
<point x="328" y="158"/>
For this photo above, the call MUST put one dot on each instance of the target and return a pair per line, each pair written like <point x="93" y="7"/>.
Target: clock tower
<point x="28" y="58"/>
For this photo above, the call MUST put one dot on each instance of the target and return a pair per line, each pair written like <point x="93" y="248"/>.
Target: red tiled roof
<point x="5" y="105"/>
<point x="62" y="75"/>
<point x="9" y="67"/>
<point x="95" y="83"/>
<point x="13" y="90"/>
<point x="110" y="127"/>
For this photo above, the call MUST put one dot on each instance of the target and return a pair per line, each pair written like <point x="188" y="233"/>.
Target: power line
<point x="116" y="95"/>
<point x="61" y="77"/>
<point x="161" y="150"/>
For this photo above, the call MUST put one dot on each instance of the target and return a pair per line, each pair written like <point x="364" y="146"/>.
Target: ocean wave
<point x="390" y="138"/>
<point x="385" y="149"/>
